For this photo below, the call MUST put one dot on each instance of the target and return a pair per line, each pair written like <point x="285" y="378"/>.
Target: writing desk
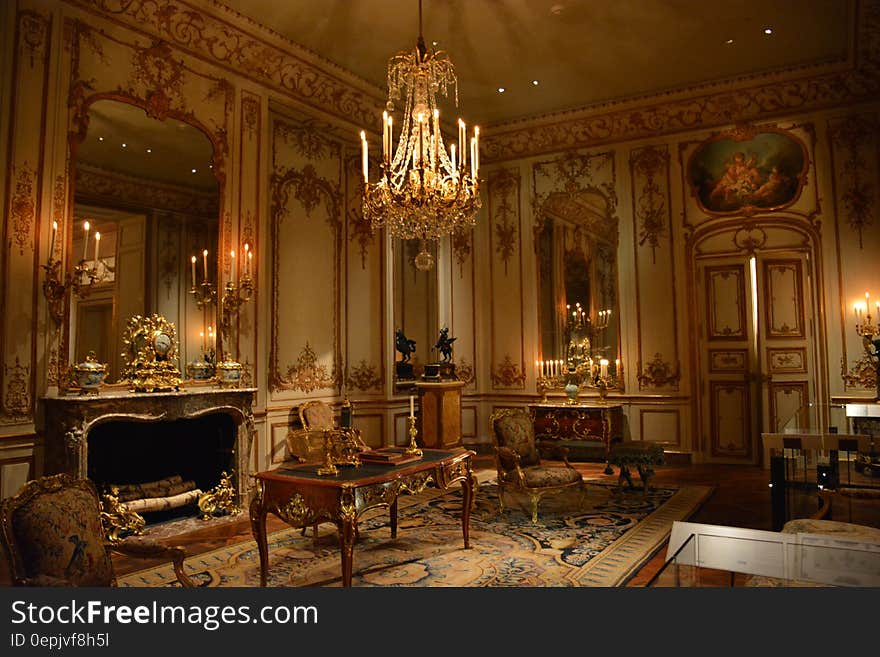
<point x="300" y="497"/>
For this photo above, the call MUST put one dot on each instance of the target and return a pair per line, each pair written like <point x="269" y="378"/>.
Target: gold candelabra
<point x="234" y="295"/>
<point x="869" y="331"/>
<point x="205" y="294"/>
<point x="55" y="285"/>
<point x="413" y="448"/>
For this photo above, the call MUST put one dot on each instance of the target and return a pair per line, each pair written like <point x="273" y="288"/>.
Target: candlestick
<point x="85" y="239"/>
<point x="205" y="261"/>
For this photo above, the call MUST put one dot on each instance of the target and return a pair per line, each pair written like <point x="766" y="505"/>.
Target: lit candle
<point x="385" y="136"/>
<point x="878" y="310"/>
<point x="541" y="369"/>
<point x="435" y="144"/>
<point x="85" y="239"/>
<point x="205" y="261"/>
<point x="249" y="258"/>
<point x="421" y="139"/>
<point x="461" y="144"/>
<point x="364" y="162"/>
<point x="603" y="368"/>
<point x="558" y="367"/>
<point x="52" y="241"/>
<point x="97" y="247"/>
<point x="452" y="155"/>
<point x="390" y="137"/>
<point x="473" y="158"/>
<point x="476" y="150"/>
<point x="202" y="339"/>
<point x="247" y="263"/>
<point x="412" y="406"/>
<point x="232" y="265"/>
<point x="537" y="366"/>
<point x="193" y="261"/>
<point x="616" y="366"/>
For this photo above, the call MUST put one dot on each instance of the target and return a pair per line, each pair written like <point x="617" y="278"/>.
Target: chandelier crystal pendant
<point x="424" y="192"/>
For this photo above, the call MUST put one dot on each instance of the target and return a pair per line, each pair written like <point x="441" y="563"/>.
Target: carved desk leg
<point x="258" y="528"/>
<point x="467" y="487"/>
<point x="347" y="523"/>
<point x="392" y="511"/>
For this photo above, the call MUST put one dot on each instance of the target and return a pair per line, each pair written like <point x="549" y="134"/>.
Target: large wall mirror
<point x="416" y="301"/>
<point x="576" y="239"/>
<point x="146" y="201"/>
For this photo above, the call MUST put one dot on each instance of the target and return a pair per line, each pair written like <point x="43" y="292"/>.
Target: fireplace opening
<point x="159" y="468"/>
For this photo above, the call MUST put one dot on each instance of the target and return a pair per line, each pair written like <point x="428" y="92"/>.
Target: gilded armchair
<point x="518" y="462"/>
<point x="52" y="533"/>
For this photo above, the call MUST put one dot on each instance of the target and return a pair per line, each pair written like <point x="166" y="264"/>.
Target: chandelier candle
<point x="85" y="240"/>
<point x="97" y="247"/>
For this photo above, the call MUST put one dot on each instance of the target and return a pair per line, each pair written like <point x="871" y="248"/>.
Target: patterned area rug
<point x="602" y="542"/>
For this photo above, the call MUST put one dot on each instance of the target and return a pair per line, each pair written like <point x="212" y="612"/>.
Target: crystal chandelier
<point x="423" y="192"/>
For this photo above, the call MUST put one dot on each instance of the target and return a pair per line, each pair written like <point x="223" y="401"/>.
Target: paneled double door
<point x="756" y="349"/>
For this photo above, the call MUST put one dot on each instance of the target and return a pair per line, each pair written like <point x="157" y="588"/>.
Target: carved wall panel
<point x="367" y="336"/>
<point x="306" y="241"/>
<point x="726" y="302"/>
<point x="783" y="299"/>
<point x="661" y="426"/>
<point x="507" y="360"/>
<point x="728" y="360"/>
<point x="23" y="216"/>
<point x="785" y="400"/>
<point x="464" y="309"/>
<point x="656" y="294"/>
<point x="855" y="160"/>
<point x="792" y="360"/>
<point x="730" y="420"/>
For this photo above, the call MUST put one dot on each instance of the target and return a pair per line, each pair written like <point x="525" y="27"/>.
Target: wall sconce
<point x="205" y="293"/>
<point x="84" y="274"/>
<point x="869" y="331"/>
<point x="237" y="291"/>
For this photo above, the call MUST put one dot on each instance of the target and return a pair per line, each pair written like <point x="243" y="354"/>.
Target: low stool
<point x="644" y="455"/>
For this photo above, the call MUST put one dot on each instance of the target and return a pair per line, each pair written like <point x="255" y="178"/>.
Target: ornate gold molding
<point x="208" y="34"/>
<point x="862" y="375"/>
<point x="657" y="373"/>
<point x="306" y="375"/>
<point x="34" y="30"/>
<point x="503" y="186"/>
<point x="753" y="98"/>
<point x="22" y="207"/>
<point x="93" y="183"/>
<point x="465" y="371"/>
<point x="650" y="165"/>
<point x="17" y="402"/>
<point x="364" y="376"/>
<point x="508" y="374"/>
<point x="854" y="137"/>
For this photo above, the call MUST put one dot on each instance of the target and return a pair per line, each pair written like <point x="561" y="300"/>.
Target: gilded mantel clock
<point x="151" y="354"/>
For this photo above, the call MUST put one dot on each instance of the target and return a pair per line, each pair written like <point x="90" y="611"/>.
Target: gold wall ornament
<point x="117" y="519"/>
<point x="423" y="192"/>
<point x="220" y="500"/>
<point x="657" y="373"/>
<point x="150" y="354"/>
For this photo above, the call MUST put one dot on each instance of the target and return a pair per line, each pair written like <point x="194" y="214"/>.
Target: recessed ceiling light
<point x="501" y="90"/>
<point x="194" y="170"/>
<point x="100" y="139"/>
<point x="149" y="150"/>
<point x="729" y="42"/>
<point x="210" y="166"/>
<point x="768" y="30"/>
<point x="535" y="82"/>
<point x="125" y="145"/>
<point x="557" y="9"/>
<point x="434" y="43"/>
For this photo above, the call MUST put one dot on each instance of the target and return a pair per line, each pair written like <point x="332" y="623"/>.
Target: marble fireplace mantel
<point x="67" y="420"/>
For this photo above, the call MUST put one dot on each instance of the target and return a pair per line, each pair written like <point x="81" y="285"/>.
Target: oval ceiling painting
<point x="748" y="171"/>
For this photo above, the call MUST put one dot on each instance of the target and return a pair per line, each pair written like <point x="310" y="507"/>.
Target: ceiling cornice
<point x="710" y="105"/>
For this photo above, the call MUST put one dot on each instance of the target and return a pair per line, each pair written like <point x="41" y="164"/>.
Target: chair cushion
<point x="517" y="432"/>
<point x="318" y="416"/>
<point x="543" y="476"/>
<point x="59" y="534"/>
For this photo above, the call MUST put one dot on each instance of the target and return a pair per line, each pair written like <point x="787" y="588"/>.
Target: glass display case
<point x="718" y="556"/>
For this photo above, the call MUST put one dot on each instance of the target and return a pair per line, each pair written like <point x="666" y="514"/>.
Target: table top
<point x="366" y="473"/>
<point x="565" y="405"/>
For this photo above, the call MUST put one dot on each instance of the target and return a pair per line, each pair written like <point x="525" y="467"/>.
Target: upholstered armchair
<point x="518" y="462"/>
<point x="52" y="534"/>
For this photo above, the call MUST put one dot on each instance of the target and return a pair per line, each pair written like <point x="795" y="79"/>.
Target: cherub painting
<point x="736" y="172"/>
